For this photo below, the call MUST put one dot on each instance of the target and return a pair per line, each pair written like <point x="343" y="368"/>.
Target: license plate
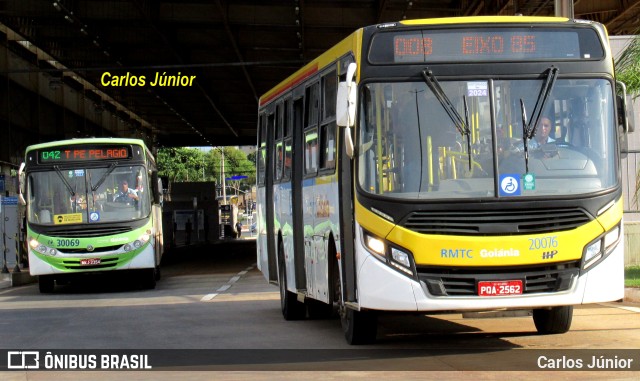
<point x="90" y="262"/>
<point x="500" y="288"/>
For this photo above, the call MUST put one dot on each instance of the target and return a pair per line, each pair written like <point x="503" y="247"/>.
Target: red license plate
<point x="500" y="288"/>
<point x="90" y="262"/>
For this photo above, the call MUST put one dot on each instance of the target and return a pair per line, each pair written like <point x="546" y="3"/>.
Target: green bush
<point x="632" y="276"/>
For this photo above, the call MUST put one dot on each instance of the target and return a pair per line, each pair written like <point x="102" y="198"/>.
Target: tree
<point x="628" y="67"/>
<point x="235" y="164"/>
<point x="192" y="164"/>
<point x="181" y="164"/>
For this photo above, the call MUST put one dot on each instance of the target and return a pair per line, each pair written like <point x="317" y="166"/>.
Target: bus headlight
<point x="145" y="237"/>
<point x="400" y="257"/>
<point x="375" y="244"/>
<point x="33" y="243"/>
<point x="42" y="249"/>
<point x="601" y="247"/>
<point x="393" y="256"/>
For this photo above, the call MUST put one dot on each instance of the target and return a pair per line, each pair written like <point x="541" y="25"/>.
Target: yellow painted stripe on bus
<point x="371" y="221"/>
<point x="484" y="19"/>
<point x="451" y="250"/>
<point x="612" y="216"/>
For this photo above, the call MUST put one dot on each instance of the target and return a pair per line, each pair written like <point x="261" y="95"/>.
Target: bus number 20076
<point x="68" y="242"/>
<point x="543" y="243"/>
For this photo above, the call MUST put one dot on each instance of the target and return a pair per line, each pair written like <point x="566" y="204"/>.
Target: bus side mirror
<point x="346" y="99"/>
<point x="625" y="113"/>
<point x="346" y="106"/>
<point x="21" y="182"/>
<point x="156" y="186"/>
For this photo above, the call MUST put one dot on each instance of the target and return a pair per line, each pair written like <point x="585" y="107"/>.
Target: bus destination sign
<point x="495" y="44"/>
<point x="69" y="154"/>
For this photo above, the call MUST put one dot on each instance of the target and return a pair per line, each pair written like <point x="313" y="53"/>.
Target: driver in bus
<point x="126" y="194"/>
<point x="542" y="133"/>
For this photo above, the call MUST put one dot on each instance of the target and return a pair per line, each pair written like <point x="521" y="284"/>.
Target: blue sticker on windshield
<point x="94" y="216"/>
<point x="510" y="185"/>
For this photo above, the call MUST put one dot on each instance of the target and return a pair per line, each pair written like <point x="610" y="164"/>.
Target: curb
<point x="632" y="295"/>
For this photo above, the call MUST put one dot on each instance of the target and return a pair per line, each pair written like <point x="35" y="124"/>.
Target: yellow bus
<point x="450" y="164"/>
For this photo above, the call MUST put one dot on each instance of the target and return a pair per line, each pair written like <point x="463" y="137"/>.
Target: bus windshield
<point x="410" y="147"/>
<point x="88" y="195"/>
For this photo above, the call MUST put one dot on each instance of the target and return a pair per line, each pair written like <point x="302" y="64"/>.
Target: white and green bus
<point x="93" y="205"/>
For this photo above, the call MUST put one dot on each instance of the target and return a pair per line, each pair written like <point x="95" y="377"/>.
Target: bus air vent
<point x="495" y="222"/>
<point x="88" y="233"/>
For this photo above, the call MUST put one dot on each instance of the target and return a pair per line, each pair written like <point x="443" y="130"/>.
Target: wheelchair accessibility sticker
<point x="94" y="216"/>
<point x="510" y="185"/>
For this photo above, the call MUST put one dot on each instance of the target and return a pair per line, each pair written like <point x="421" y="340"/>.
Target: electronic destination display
<point x="486" y="44"/>
<point x="84" y="153"/>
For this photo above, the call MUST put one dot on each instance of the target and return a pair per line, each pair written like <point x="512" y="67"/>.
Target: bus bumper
<point x="142" y="260"/>
<point x="382" y="288"/>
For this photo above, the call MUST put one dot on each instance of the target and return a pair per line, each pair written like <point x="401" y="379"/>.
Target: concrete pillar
<point x="564" y="8"/>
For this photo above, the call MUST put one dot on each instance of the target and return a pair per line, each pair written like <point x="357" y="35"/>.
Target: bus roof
<point x="354" y="40"/>
<point x="485" y="19"/>
<point x="68" y="142"/>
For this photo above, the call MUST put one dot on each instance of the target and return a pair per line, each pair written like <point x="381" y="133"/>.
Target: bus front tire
<point x="46" y="283"/>
<point x="553" y="320"/>
<point x="359" y="327"/>
<point x="149" y="278"/>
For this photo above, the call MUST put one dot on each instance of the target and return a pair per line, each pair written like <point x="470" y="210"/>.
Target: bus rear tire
<point x="360" y="327"/>
<point x="46" y="284"/>
<point x="553" y="320"/>
<point x="291" y="308"/>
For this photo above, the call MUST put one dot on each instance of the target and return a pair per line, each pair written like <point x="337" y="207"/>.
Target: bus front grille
<point x="85" y="251"/>
<point x="84" y="232"/>
<point x="463" y="282"/>
<point x="502" y="222"/>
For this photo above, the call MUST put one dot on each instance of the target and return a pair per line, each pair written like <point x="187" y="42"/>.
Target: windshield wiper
<point x="529" y="130"/>
<point x="64" y="181"/>
<point x="456" y="118"/>
<point x="103" y="178"/>
<point x="71" y="190"/>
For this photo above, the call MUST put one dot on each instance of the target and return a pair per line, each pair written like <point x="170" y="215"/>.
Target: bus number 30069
<point x="68" y="242"/>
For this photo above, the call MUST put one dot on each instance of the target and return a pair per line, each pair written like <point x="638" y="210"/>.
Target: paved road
<point x="213" y="299"/>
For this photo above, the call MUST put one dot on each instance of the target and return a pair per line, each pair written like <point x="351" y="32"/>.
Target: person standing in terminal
<point x="238" y="229"/>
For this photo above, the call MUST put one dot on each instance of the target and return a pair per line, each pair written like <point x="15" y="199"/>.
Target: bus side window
<point x="311" y="152"/>
<point x="328" y="147"/>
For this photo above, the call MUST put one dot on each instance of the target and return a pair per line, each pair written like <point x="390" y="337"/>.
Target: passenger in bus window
<point x="126" y="194"/>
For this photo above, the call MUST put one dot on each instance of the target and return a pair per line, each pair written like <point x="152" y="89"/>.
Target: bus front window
<point x="88" y="195"/>
<point x="411" y="147"/>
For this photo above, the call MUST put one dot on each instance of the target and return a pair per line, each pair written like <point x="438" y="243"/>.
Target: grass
<point x="632" y="276"/>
